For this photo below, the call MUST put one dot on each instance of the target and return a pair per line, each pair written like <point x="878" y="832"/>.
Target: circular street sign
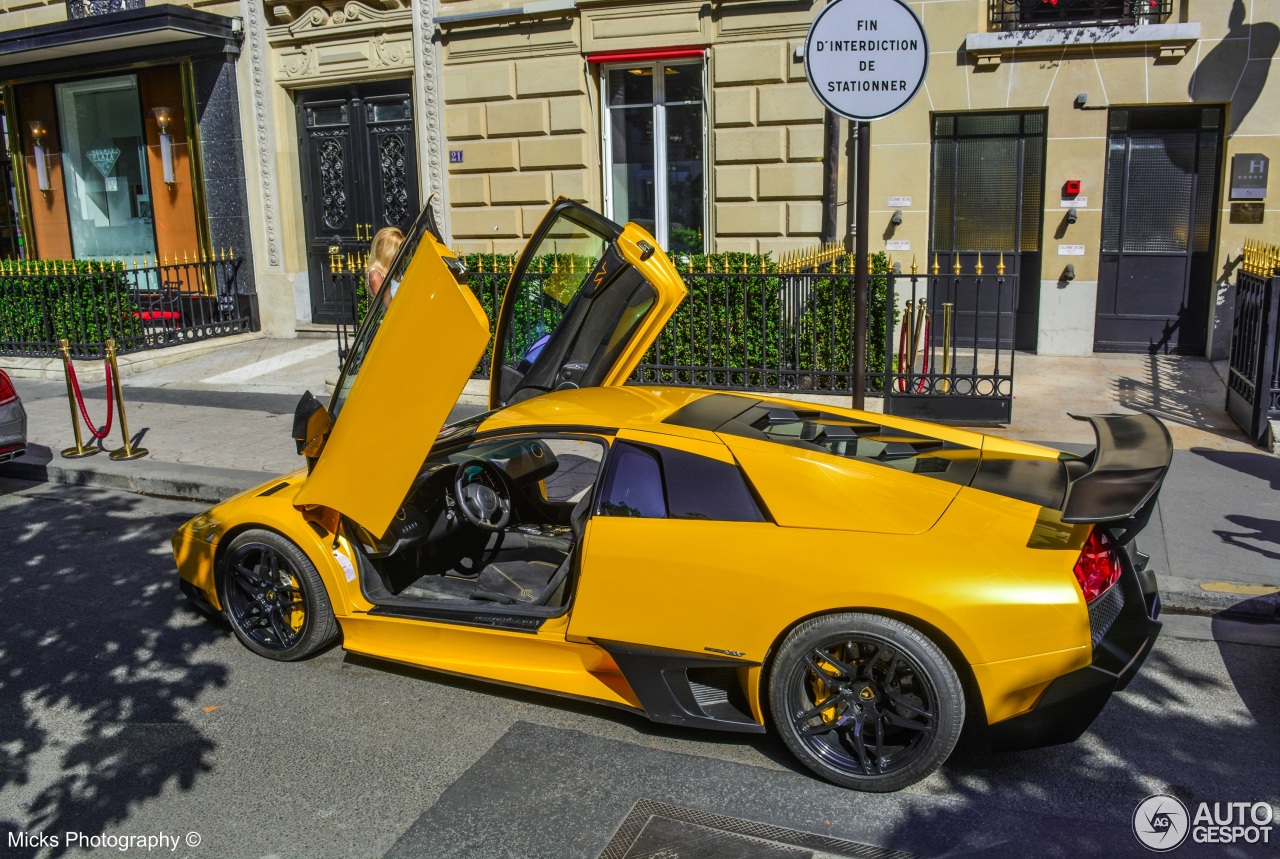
<point x="866" y="59"/>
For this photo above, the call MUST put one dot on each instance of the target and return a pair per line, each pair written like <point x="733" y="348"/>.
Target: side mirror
<point x="311" y="425"/>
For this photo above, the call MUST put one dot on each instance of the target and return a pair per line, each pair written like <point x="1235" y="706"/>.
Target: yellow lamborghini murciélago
<point x="729" y="561"/>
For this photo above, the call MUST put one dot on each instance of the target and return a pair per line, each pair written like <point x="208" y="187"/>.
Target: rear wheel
<point x="274" y="597"/>
<point x="865" y="701"/>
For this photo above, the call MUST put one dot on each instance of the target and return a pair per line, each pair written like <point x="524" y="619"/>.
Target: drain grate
<point x="656" y="830"/>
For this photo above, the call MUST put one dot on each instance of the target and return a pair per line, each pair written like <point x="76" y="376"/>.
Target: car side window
<point x="659" y="483"/>
<point x="633" y="486"/>
<point x="699" y="487"/>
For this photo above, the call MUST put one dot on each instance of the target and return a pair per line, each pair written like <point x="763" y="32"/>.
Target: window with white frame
<point x="655" y="150"/>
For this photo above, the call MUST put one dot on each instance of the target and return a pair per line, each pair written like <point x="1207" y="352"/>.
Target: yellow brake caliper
<point x="299" y="614"/>
<point x="821" y="691"/>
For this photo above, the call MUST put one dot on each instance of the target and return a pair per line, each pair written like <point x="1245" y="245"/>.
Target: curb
<point x="129" y="364"/>
<point x="160" y="479"/>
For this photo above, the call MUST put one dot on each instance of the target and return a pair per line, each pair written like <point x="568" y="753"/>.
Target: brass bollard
<point x="79" y="450"/>
<point x="128" y="451"/>
<point x="947" y="308"/>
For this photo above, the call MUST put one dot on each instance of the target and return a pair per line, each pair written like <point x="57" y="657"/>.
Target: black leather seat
<point x="533" y="573"/>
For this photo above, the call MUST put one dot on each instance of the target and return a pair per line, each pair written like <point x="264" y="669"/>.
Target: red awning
<point x="647" y="56"/>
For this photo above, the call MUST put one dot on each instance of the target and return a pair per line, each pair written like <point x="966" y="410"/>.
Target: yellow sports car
<point x="860" y="582"/>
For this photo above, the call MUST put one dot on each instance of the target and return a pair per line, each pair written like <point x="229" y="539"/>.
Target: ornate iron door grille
<point x="87" y="8"/>
<point x="359" y="175"/>
<point x="1037" y="14"/>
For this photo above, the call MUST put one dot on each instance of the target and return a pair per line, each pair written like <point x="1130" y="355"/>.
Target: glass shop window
<point x="104" y="164"/>
<point x="655" y="150"/>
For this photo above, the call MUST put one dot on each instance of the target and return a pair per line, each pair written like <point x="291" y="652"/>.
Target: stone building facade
<point x="1144" y="105"/>
<point x="524" y="118"/>
<point x="319" y="121"/>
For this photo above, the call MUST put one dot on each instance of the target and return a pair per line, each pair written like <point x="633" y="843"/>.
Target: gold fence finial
<point x="915" y="269"/>
<point x="936" y="267"/>
<point x="1000" y="265"/>
<point x="955" y="268"/>
<point x="977" y="268"/>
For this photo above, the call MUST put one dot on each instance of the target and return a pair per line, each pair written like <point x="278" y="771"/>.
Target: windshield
<point x="424" y="225"/>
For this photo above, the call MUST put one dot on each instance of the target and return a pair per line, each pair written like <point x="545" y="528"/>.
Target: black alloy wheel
<point x="866" y="701"/>
<point x="274" y="597"/>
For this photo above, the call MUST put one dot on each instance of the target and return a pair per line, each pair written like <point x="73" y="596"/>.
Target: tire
<point x="274" y="598"/>
<point x="881" y="681"/>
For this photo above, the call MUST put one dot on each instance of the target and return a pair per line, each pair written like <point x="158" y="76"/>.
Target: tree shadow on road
<point x="98" y="668"/>
<point x="1178" y="729"/>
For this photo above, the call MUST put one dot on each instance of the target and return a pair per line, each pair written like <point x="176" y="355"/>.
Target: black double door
<point x="1155" y="275"/>
<point x="359" y="174"/>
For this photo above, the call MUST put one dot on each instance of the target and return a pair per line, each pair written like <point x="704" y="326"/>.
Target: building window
<point x="1036" y="14"/>
<point x="104" y="163"/>
<point x="655" y="150"/>
<point x="988" y="181"/>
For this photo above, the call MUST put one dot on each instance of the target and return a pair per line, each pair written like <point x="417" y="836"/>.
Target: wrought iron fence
<point x="1037" y="14"/>
<point x="1253" y="382"/>
<point x="954" y="353"/>
<point x="139" y="306"/>
<point x="770" y="331"/>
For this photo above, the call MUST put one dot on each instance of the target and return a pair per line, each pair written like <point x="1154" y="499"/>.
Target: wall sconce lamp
<point x="1071" y="215"/>
<point x="38" y="134"/>
<point x="1069" y="273"/>
<point x="164" y="116"/>
<point x="896" y="220"/>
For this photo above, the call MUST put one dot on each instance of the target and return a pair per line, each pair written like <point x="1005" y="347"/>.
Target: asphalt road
<point x="123" y="711"/>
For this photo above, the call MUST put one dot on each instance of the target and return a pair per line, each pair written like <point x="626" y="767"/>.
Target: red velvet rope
<point x="84" y="413"/>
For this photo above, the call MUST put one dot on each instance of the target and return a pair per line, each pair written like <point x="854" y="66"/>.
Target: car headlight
<point x="204" y="528"/>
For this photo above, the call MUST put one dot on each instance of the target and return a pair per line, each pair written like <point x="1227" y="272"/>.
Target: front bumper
<point x="1069" y="705"/>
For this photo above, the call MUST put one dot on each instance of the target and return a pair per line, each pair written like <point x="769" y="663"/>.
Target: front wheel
<point x="274" y="597"/>
<point x="865" y="701"/>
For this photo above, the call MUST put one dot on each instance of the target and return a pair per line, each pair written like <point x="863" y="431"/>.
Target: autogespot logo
<point x="1160" y="822"/>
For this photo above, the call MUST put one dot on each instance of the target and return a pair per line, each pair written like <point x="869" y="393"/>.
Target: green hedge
<point x="82" y="301"/>
<point x="730" y="320"/>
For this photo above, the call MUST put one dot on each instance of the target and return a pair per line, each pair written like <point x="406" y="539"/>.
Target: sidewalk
<point x="220" y="422"/>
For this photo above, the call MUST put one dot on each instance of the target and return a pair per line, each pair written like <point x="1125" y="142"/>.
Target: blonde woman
<point x="382" y="252"/>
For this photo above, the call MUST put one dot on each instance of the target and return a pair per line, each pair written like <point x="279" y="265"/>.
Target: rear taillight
<point x="1098" y="567"/>
<point x="7" y="393"/>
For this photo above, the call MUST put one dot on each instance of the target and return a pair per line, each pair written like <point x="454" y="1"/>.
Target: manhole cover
<point x="656" y="830"/>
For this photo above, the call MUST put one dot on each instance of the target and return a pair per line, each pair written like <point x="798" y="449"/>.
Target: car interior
<point x="493" y="526"/>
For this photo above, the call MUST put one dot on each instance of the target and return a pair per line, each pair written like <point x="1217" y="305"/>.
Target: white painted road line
<point x="277" y="362"/>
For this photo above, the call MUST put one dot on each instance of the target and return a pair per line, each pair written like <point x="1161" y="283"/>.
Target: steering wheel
<point x="486" y="506"/>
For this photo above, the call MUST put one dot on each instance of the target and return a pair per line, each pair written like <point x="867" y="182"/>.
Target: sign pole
<point x="865" y="60"/>
<point x="861" y="262"/>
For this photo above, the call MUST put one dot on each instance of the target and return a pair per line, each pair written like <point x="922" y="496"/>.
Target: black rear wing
<point x="1118" y="482"/>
